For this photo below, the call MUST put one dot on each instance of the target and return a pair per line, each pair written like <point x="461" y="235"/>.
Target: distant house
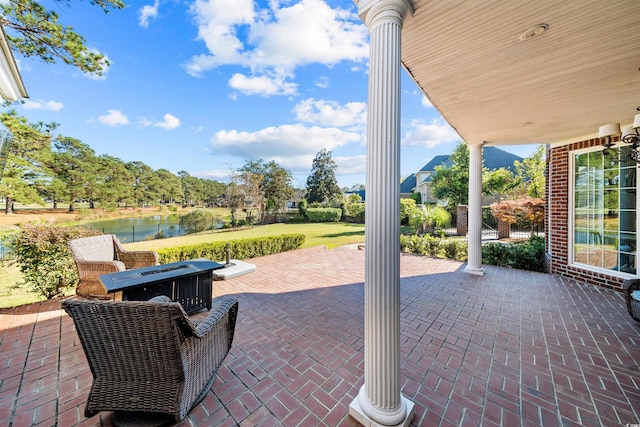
<point x="492" y="158"/>
<point x="360" y="193"/>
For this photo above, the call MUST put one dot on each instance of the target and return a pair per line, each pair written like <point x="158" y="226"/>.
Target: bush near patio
<point x="43" y="256"/>
<point x="239" y="249"/>
<point x="526" y="255"/>
<point x="434" y="246"/>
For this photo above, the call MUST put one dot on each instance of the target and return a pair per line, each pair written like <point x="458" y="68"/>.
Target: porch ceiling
<point x="584" y="71"/>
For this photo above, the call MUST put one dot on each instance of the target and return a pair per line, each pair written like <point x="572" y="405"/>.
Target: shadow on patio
<point x="508" y="348"/>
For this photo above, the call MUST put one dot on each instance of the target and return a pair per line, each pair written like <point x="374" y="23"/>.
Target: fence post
<point x="133" y="235"/>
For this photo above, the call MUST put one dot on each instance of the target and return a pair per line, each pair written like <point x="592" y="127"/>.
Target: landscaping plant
<point x="43" y="257"/>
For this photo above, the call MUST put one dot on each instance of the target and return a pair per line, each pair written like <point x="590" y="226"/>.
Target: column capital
<point x="368" y="10"/>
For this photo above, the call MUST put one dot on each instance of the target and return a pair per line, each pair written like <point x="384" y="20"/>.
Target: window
<point x="604" y="201"/>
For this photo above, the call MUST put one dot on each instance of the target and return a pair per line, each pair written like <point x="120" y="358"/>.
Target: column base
<point x="355" y="410"/>
<point x="478" y="271"/>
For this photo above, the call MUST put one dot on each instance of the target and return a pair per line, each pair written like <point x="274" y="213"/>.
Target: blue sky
<point x="205" y="85"/>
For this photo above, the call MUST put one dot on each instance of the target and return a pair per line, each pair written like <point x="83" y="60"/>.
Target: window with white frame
<point x="604" y="202"/>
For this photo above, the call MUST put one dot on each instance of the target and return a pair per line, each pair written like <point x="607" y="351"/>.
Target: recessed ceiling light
<point x="534" y="31"/>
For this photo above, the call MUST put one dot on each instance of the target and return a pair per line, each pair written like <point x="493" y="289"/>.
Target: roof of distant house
<point x="441" y="160"/>
<point x="495" y="158"/>
<point x="408" y="184"/>
<point x="492" y="158"/>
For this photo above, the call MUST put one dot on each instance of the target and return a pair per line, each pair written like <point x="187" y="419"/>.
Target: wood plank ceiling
<point x="490" y="85"/>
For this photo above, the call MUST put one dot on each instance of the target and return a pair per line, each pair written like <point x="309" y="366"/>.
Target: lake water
<point x="131" y="230"/>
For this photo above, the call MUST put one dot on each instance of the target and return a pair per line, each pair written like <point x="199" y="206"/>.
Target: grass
<point x="329" y="234"/>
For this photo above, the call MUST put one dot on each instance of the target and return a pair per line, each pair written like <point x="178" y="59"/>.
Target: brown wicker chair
<point x="630" y="286"/>
<point x="148" y="359"/>
<point x="104" y="254"/>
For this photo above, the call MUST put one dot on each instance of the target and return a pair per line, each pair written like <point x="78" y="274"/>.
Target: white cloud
<point x="262" y="85"/>
<point x="425" y="102"/>
<point x="170" y="122"/>
<point x="293" y="142"/>
<point x="40" y="104"/>
<point x="147" y="12"/>
<point x="331" y="113"/>
<point x="353" y="165"/>
<point x="113" y="118"/>
<point x="275" y="40"/>
<point x="429" y="134"/>
<point x="322" y="82"/>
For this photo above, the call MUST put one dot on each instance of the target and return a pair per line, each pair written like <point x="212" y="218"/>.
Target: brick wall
<point x="557" y="226"/>
<point x="463" y="220"/>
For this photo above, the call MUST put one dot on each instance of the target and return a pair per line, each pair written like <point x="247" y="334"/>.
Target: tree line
<point x="41" y="166"/>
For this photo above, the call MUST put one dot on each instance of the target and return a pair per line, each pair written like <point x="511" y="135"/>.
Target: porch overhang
<point x="492" y="83"/>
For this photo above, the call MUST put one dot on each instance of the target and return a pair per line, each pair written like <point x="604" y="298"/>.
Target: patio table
<point x="187" y="282"/>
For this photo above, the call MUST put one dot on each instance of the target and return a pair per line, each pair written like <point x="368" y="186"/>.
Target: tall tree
<point x="531" y="171"/>
<point x="452" y="183"/>
<point x="73" y="163"/>
<point x="25" y="169"/>
<point x="277" y="187"/>
<point x="212" y="191"/>
<point x="114" y="182"/>
<point x="143" y="183"/>
<point x="169" y="186"/>
<point x="34" y="31"/>
<point x="251" y="179"/>
<point x="322" y="185"/>
<point x="191" y="189"/>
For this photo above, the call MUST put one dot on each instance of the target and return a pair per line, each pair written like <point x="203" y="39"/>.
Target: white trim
<point x="571" y="222"/>
<point x="11" y="86"/>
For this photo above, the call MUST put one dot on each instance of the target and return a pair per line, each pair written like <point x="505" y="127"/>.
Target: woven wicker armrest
<point x="633" y="306"/>
<point x="138" y="259"/>
<point x="95" y="268"/>
<point x="225" y="304"/>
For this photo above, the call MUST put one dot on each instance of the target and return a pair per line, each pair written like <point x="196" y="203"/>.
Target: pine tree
<point x="322" y="185"/>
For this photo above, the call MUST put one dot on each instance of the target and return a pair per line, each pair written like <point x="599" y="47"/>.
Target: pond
<point x="131" y="230"/>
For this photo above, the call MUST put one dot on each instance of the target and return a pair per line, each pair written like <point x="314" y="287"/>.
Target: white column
<point x="474" y="236"/>
<point x="380" y="402"/>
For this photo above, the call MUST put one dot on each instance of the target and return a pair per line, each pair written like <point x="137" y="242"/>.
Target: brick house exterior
<point x="558" y="226"/>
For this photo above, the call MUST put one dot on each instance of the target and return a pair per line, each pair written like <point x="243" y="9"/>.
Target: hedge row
<point x="240" y="249"/>
<point x="324" y="214"/>
<point x="434" y="246"/>
<point x="527" y="255"/>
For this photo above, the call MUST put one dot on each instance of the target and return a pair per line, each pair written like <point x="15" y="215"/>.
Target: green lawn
<point x="329" y="234"/>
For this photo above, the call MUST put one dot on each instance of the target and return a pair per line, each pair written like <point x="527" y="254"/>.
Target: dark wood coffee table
<point x="187" y="282"/>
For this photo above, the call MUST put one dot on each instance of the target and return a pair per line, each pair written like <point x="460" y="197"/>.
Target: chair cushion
<point x="94" y="248"/>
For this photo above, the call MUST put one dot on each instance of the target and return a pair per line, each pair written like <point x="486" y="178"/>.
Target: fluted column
<point x="380" y="401"/>
<point x="474" y="236"/>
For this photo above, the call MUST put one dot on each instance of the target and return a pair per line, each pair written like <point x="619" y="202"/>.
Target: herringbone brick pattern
<point x="510" y="348"/>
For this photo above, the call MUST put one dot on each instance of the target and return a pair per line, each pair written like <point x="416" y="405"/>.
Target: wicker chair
<point x="104" y="254"/>
<point x="150" y="362"/>
<point x="631" y="288"/>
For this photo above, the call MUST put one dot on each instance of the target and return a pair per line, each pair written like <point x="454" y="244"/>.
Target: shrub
<point x="240" y="249"/>
<point x="324" y="214"/>
<point x="302" y="208"/>
<point x="407" y="207"/>
<point x="434" y="246"/>
<point x="527" y="255"/>
<point x="198" y="220"/>
<point x="43" y="256"/>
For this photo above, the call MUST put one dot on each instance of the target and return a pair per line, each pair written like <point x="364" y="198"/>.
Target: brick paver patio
<point x="510" y="348"/>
